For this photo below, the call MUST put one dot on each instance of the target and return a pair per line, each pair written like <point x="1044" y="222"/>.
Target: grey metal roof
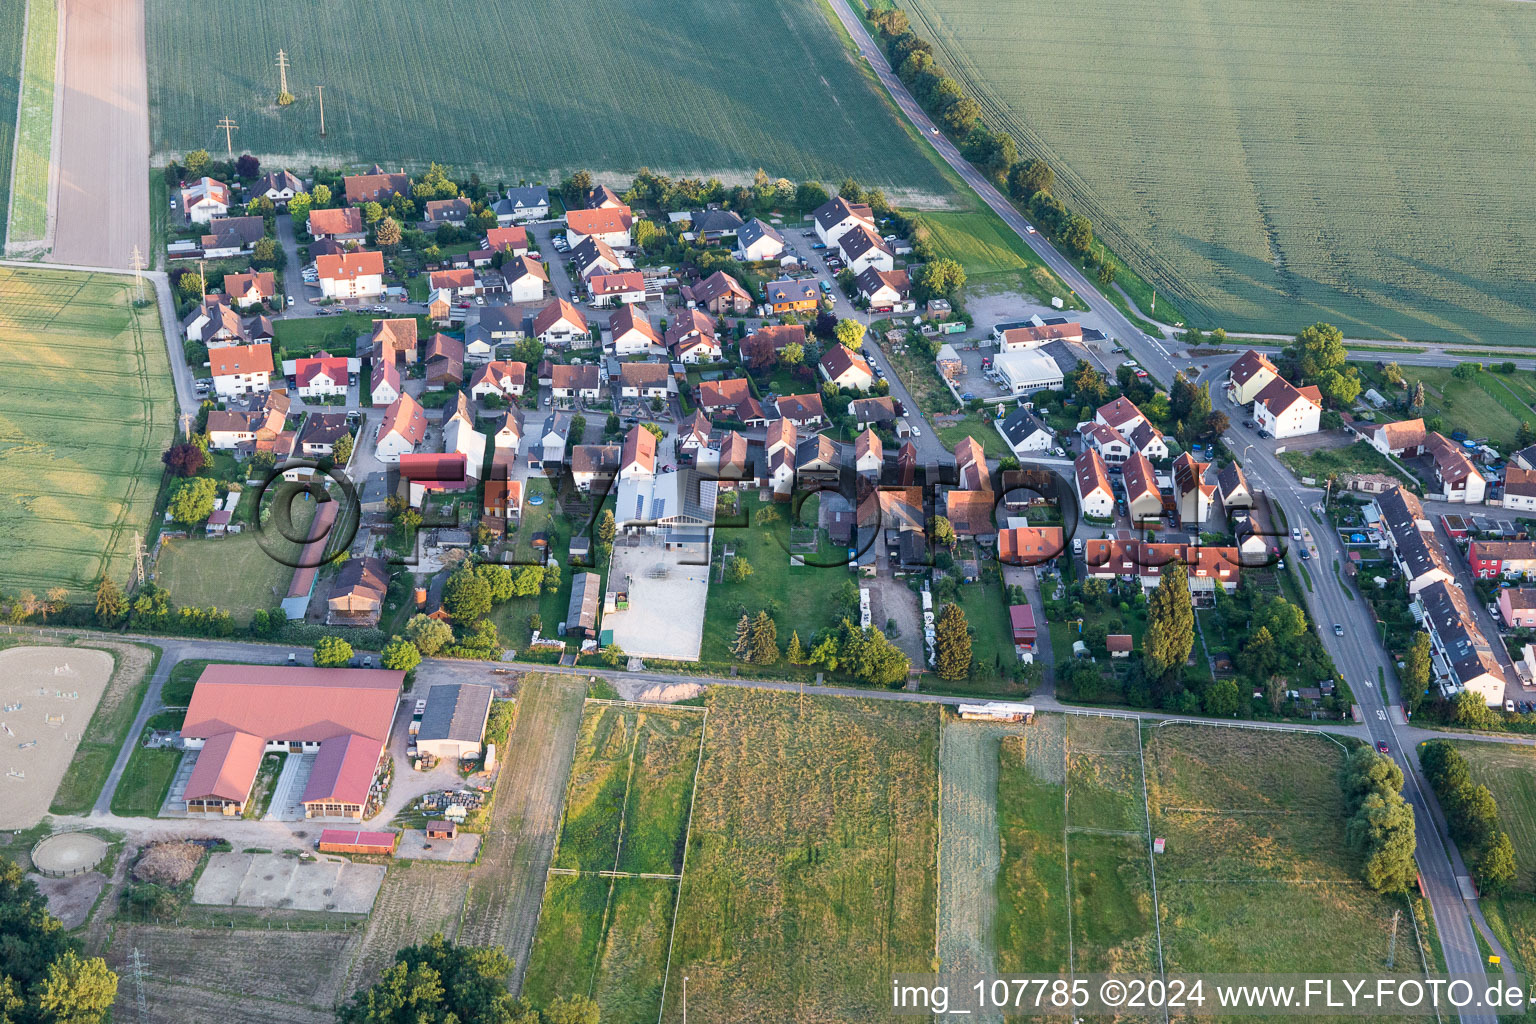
<point x="455" y="711"/>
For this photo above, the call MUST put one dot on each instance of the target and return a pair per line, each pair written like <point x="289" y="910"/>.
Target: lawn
<point x="796" y="597"/>
<point x="1509" y="772"/>
<point x="810" y="875"/>
<point x="1255" y="876"/>
<point x="1490" y="405"/>
<point x="12" y="14"/>
<point x="177" y="691"/>
<point x="234" y="573"/>
<point x="1260" y="201"/>
<point x="995" y="258"/>
<point x="83" y="420"/>
<point x="147" y="777"/>
<point x="509" y="106"/>
<point x="336" y="334"/>
<point x="992" y="653"/>
<point x="972" y="425"/>
<point x="109" y="726"/>
<point x="34" y="145"/>
<point x="1321" y="463"/>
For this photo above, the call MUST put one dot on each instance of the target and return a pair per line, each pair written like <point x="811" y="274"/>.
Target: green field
<point x="34" y="147"/>
<point x="721" y="88"/>
<point x="811" y="863"/>
<point x="1255" y="877"/>
<point x="1384" y="188"/>
<point x="1320" y="463"/>
<point x="146" y="780"/>
<point x="233" y="573"/>
<point x="1509" y="772"/>
<point x="626" y="810"/>
<point x="1488" y="405"/>
<point x="83" y="420"/>
<point x="994" y="257"/>
<point x="12" y="14"/>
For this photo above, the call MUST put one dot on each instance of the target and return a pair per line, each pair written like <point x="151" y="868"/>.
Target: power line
<point x="229" y="140"/>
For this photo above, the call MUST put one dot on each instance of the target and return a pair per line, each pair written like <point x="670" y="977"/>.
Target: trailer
<point x="998" y="711"/>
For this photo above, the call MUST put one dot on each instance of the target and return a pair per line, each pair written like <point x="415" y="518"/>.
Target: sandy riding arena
<point x="47" y="695"/>
<point x="68" y="853"/>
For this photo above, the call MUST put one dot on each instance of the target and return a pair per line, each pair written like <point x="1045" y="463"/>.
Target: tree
<point x="191" y="285"/>
<point x="792" y="354"/>
<point x="825" y="326"/>
<point x="953" y="643"/>
<point x="738" y="569"/>
<point x="1496" y="868"/>
<point x="939" y="277"/>
<point x="1027" y="177"/>
<point x="1221" y="698"/>
<point x="811" y="194"/>
<point x="1445" y="769"/>
<point x="1382" y="831"/>
<point x="184" y="459"/>
<point x="850" y="333"/>
<point x="428" y="634"/>
<point x="795" y="654"/>
<point x="1258" y="655"/>
<point x="867" y="655"/>
<point x="1107" y="270"/>
<point x="400" y="655"/>
<point x="1077" y="234"/>
<point x="1473" y="711"/>
<point x="1170" y="625"/>
<point x="941" y="531"/>
<point x="196" y="162"/>
<point x="332" y="652"/>
<point x="741" y="647"/>
<point x="612" y="655"/>
<point x="111" y="605"/>
<point x="467" y="595"/>
<point x="575" y="188"/>
<point x="1474" y="818"/>
<point x="607" y="529"/>
<point x="551" y="577"/>
<point x="1216" y="423"/>
<point x="438" y="982"/>
<point x="76" y="991"/>
<point x="498" y="578"/>
<point x="299" y="207"/>
<point x="372" y="213"/>
<point x="1089" y="384"/>
<point x="1524" y="435"/>
<point x="388" y="233"/>
<point x="765" y="640"/>
<point x="192" y="500"/>
<point x="341" y="452"/>
<point x="321" y="194"/>
<point x="1417" y="667"/>
<point x="1320" y="348"/>
<point x="265" y="250"/>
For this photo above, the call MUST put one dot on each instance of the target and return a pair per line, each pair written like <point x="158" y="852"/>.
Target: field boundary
<point x="1255" y="727"/>
<point x="677" y="903"/>
<point x="1146" y="813"/>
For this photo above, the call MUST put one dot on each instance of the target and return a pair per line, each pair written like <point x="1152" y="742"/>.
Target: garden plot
<point x="278" y="881"/>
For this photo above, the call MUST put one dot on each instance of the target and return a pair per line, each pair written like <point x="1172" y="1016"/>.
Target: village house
<point x="1143" y="500"/>
<point x="353" y="275"/>
<point x="1517" y="607"/>
<point x="1194" y="486"/>
<point x="713" y="225"/>
<point x="1455" y="475"/>
<point x="444" y="362"/>
<point x="610" y="225"/>
<point x="846" y="368"/>
<point x="1519" y="489"/>
<point x="526" y="279"/>
<point x="617" y="289"/>
<point x="357" y="593"/>
<point x="522" y="204"/>
<point x="863" y="249"/>
<point x="781" y="447"/>
<point x="575" y="383"/>
<point x="549" y="445"/>
<point x="320" y="376"/>
<point x="1093" y="490"/>
<point x="766" y="344"/>
<point x="1461" y="656"/>
<point x="344" y="224"/>
<point x="393" y="341"/>
<point x="787" y="296"/>
<point x="321" y="432"/>
<point x="1027" y="337"/>
<point x="455" y="211"/>
<point x="232" y="236"/>
<point x="1491" y="559"/>
<point x="1249" y="376"/>
<point x="404" y="427"/>
<point x="721" y="398"/>
<point x="595" y="256"/>
<point x="1285" y="411"/>
<point x="461" y="284"/>
<point x="595" y="465"/>
<point x="884" y="289"/>
<point x="511" y="240"/>
<point x="250" y="288"/>
<point x="251" y="430"/>
<point x="424" y="473"/>
<point x="837" y="216"/>
<point x="638" y="457"/>
<point x="971" y="466"/>
<point x="1208" y="567"/>
<point x="1024" y="432"/>
<point x="720" y="293"/>
<point x="461" y="437"/>
<point x="378" y="187"/>
<point x="646" y="380"/>
<point x="278" y="186"/>
<point x="1402" y="439"/>
<point x="801" y="410"/>
<point x="499" y="378"/>
<point x="876" y="412"/>
<point x="204" y="199"/>
<point x="1107" y="441"/>
<point x="757" y="240"/>
<point x="631" y="334"/>
<point x="1030" y="545"/>
<point x="385" y="383"/>
<point x="868" y="454"/>
<point x="603" y="197"/>
<point x="560" y="325"/>
<point x="240" y="369"/>
<point x="693" y="434"/>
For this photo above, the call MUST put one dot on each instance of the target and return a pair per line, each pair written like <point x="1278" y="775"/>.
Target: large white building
<point x="1027" y="370"/>
<point x="1285" y="411"/>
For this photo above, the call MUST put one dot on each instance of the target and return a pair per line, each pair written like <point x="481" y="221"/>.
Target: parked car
<point x="1141" y="374"/>
<point x="290" y="302"/>
<point x="1265" y="435"/>
<point x="1249" y="424"/>
<point x="819" y="245"/>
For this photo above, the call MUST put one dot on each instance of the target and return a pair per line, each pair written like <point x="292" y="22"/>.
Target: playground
<point x="47" y="696"/>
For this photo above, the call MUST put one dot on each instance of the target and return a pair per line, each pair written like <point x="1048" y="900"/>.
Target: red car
<point x="1382" y="746"/>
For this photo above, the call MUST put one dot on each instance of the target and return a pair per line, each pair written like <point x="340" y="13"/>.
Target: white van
<point x="1077" y="545"/>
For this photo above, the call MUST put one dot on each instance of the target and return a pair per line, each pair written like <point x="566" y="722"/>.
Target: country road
<point x="1363" y="661"/>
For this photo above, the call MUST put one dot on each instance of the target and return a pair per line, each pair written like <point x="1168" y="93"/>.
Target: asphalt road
<point x="1358" y="655"/>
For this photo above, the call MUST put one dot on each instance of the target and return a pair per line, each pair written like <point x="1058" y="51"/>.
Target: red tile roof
<point x="515" y="237"/>
<point x="232" y="359"/>
<point x="350" y="266"/>
<point x="599" y="222"/>
<point x="347" y="220"/>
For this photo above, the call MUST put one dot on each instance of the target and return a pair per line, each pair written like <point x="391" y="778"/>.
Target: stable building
<point x="453" y="723"/>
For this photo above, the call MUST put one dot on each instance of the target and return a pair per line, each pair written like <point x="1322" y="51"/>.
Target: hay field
<point x="1273" y="164"/>
<point x="86" y="408"/>
<point x="811" y="870"/>
<point x="47" y="695"/>
<point x="720" y="88"/>
<point x="34" y="128"/>
<point x="12" y="14"/>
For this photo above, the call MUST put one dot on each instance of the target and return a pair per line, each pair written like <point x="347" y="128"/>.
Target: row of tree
<point x="43" y="977"/>
<point x="1472" y="815"/>
<point x="1380" y="822"/>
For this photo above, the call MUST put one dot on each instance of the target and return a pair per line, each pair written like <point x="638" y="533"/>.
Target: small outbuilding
<point x="453" y="722"/>
<point x="1119" y="644"/>
<point x="442" y="830"/>
<point x="346" y="840"/>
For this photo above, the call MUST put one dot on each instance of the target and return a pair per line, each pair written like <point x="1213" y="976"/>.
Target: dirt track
<point x="103" y="152"/>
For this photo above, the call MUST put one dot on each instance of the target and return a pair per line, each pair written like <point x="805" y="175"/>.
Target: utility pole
<point x="320" y="91"/>
<point x="137" y="261"/>
<point x="284" y="97"/>
<point x="1392" y="946"/>
<point x="202" y="281"/>
<point x="138" y="980"/>
<point x="138" y="581"/>
<point x="229" y="139"/>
